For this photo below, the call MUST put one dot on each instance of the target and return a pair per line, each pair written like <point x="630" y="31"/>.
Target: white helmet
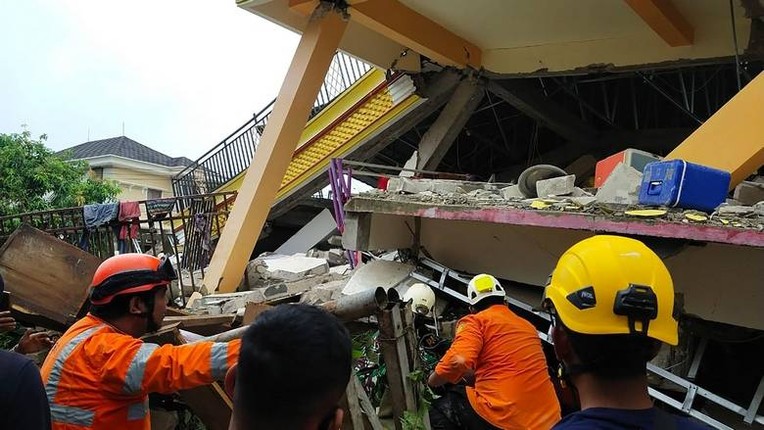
<point x="422" y="298"/>
<point x="482" y="286"/>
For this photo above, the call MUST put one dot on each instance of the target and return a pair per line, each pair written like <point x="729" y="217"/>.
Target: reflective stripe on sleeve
<point x="134" y="376"/>
<point x="219" y="360"/>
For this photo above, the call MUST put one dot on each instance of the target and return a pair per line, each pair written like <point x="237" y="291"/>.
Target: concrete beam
<point x="532" y="102"/>
<point x="397" y="22"/>
<point x="440" y="136"/>
<point x="664" y="18"/>
<point x="310" y="64"/>
<point x="739" y="128"/>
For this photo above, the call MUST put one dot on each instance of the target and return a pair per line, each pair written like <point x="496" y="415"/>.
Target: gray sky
<point x="181" y="75"/>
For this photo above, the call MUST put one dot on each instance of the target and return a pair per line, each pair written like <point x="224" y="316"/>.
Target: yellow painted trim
<point x="341" y="104"/>
<point x="345" y="148"/>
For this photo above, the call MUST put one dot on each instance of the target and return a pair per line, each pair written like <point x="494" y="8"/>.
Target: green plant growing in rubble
<point x="415" y="420"/>
<point x="35" y="178"/>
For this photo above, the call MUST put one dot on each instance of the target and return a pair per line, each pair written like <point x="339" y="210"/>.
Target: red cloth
<point x="129" y="216"/>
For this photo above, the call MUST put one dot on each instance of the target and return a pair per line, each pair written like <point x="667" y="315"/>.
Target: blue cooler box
<point x="677" y="183"/>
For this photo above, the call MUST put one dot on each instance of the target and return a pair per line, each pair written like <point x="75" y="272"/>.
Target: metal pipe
<point x="347" y="308"/>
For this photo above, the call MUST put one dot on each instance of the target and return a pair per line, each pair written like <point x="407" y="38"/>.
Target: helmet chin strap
<point x="564" y="374"/>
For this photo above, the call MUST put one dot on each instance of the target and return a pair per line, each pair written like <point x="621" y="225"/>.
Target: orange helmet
<point x="129" y="274"/>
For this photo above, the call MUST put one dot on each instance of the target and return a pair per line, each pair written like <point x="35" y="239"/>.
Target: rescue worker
<point x="500" y="355"/>
<point x="611" y="300"/>
<point x="99" y="374"/>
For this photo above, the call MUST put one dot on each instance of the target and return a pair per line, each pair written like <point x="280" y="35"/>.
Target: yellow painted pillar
<point x="733" y="138"/>
<point x="310" y="64"/>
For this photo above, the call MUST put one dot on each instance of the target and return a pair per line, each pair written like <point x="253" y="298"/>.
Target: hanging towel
<point x="129" y="216"/>
<point x="159" y="208"/>
<point x="101" y="214"/>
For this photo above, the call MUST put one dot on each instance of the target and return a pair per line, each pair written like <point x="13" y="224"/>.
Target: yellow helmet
<point x="613" y="285"/>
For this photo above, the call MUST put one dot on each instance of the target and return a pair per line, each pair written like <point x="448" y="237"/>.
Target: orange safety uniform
<point x="97" y="377"/>
<point x="512" y="386"/>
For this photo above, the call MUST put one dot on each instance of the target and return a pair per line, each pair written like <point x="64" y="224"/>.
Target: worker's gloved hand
<point x="7" y="323"/>
<point x="34" y="342"/>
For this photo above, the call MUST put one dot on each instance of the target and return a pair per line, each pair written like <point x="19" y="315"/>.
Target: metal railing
<point x="187" y="237"/>
<point x="234" y="154"/>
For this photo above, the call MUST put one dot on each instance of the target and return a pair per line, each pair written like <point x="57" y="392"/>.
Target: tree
<point x="34" y="178"/>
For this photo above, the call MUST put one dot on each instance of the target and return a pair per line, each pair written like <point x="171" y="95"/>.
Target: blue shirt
<point x="23" y="402"/>
<point x="620" y="419"/>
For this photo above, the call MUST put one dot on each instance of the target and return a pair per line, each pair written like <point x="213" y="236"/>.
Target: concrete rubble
<point x="619" y="195"/>
<point x="559" y="186"/>
<point x="621" y="187"/>
<point x="749" y="193"/>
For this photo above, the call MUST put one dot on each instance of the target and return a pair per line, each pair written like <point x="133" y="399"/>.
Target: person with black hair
<point x="499" y="365"/>
<point x="99" y="374"/>
<point x="294" y="366"/>
<point x="611" y="301"/>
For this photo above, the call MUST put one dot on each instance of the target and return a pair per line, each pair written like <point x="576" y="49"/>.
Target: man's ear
<point x="562" y="348"/>
<point x="136" y="306"/>
<point x="230" y="380"/>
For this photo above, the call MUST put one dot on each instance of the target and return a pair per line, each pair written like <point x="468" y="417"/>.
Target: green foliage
<point x="415" y="420"/>
<point x="34" y="178"/>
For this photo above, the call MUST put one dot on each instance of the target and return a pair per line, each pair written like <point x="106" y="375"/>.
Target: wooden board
<point x="46" y="275"/>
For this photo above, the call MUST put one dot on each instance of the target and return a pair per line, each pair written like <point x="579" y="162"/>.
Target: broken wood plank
<point x="192" y="321"/>
<point x="46" y="275"/>
<point x="252" y="311"/>
<point x="368" y="409"/>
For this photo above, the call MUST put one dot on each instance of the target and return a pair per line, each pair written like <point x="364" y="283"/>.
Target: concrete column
<point x="443" y="132"/>
<point x="310" y="64"/>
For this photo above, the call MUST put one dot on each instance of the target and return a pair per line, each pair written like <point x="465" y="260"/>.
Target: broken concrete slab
<point x="621" y="187"/>
<point x="734" y="210"/>
<point x="583" y="201"/>
<point x="335" y="257"/>
<point x="325" y="292"/>
<point x="407" y="185"/>
<point x="749" y="193"/>
<point x="340" y="270"/>
<point x="758" y="209"/>
<point x="484" y="195"/>
<point x="377" y="273"/>
<point x="560" y="186"/>
<point x="578" y="192"/>
<point x="295" y="267"/>
<point x="315" y="231"/>
<point x="512" y="192"/>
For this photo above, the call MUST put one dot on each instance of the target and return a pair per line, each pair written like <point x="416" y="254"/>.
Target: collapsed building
<point x="443" y="108"/>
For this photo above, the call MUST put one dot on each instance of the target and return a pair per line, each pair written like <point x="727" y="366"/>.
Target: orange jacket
<point x="97" y="377"/>
<point x="512" y="385"/>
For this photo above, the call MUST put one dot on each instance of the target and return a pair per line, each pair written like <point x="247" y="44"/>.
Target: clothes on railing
<point x="202" y="227"/>
<point x="158" y="209"/>
<point x="129" y="216"/>
<point x="100" y="214"/>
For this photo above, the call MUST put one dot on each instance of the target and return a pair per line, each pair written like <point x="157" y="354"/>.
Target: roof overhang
<point x="516" y="37"/>
<point x="128" y="163"/>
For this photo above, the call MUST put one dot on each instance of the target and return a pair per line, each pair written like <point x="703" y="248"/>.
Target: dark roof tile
<point x="125" y="147"/>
